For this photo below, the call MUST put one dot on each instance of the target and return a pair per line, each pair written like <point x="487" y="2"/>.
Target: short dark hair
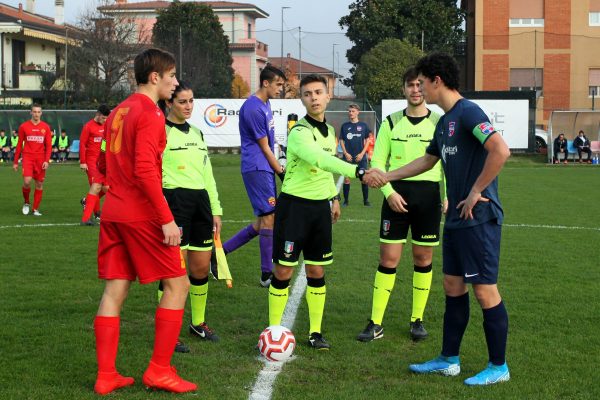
<point x="442" y="65"/>
<point x="152" y="60"/>
<point x="63" y="131"/>
<point x="180" y="88"/>
<point x="36" y="105"/>
<point x="581" y="131"/>
<point x="410" y="75"/>
<point x="104" y="110"/>
<point x="313" y="78"/>
<point x="269" y="73"/>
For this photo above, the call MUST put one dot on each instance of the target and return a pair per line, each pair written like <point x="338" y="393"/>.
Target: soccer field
<point x="549" y="279"/>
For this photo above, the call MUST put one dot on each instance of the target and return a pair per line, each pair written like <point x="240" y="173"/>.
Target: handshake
<point x="373" y="177"/>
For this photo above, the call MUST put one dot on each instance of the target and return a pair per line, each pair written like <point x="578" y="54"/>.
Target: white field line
<point x="263" y="386"/>
<point x="350" y="220"/>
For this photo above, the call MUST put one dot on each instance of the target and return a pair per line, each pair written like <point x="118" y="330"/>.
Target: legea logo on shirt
<point x="215" y="115"/>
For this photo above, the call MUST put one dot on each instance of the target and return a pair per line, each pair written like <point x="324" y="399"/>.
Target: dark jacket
<point x="581" y="141"/>
<point x="560" y="144"/>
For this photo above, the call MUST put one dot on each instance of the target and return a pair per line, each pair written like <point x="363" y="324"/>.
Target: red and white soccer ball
<point x="276" y="343"/>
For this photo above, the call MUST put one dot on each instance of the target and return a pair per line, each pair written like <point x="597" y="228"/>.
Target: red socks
<point x="107" y="342"/>
<point x="37" y="198"/>
<point x="91" y="202"/>
<point x="167" y="326"/>
<point x="26" y="192"/>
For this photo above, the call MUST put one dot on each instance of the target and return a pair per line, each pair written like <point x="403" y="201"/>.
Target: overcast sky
<point x="318" y="20"/>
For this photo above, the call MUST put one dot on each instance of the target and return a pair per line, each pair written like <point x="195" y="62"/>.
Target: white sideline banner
<point x="218" y="119"/>
<point x="509" y="117"/>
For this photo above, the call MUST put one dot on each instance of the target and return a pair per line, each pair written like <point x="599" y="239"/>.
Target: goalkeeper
<point x="191" y="192"/>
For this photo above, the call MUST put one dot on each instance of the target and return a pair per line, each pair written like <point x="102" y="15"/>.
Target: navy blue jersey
<point x="354" y="136"/>
<point x="458" y="140"/>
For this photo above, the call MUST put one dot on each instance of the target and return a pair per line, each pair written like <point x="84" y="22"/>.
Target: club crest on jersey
<point x="386" y="226"/>
<point x="271" y="201"/>
<point x="288" y="248"/>
<point x="486" y="128"/>
<point x="451" y="126"/>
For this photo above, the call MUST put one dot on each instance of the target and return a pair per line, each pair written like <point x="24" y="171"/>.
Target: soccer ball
<point x="276" y="343"/>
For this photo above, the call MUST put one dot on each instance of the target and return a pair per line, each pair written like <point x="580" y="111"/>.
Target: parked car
<point x="541" y="141"/>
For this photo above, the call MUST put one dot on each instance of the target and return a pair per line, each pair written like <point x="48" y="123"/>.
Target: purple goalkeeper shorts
<point x="262" y="191"/>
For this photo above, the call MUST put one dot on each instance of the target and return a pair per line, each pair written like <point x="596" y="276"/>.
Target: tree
<point x="239" y="87"/>
<point x="437" y="22"/>
<point x="100" y="55"/>
<point x="379" y="73"/>
<point x="194" y="34"/>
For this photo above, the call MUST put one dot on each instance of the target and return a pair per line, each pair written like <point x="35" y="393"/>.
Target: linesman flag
<point x="218" y="263"/>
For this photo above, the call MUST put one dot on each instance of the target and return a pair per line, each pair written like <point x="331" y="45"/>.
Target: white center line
<point x="263" y="386"/>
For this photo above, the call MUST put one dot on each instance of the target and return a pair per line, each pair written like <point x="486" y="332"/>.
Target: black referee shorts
<point x="423" y="216"/>
<point x="193" y="215"/>
<point x="302" y="225"/>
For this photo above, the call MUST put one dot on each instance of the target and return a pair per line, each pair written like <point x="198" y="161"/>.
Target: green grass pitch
<point x="549" y="279"/>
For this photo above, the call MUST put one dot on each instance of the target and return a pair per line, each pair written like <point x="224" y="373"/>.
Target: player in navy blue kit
<point x="472" y="154"/>
<point x="353" y="140"/>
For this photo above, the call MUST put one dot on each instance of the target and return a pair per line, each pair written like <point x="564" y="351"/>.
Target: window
<point x="526" y="22"/>
<point x="528" y="13"/>
<point x="594" y="82"/>
<point x="249" y="31"/>
<point x="527" y="79"/>
<point x="594" y="18"/>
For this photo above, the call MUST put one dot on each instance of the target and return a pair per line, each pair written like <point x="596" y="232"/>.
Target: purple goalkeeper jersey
<point x="256" y="122"/>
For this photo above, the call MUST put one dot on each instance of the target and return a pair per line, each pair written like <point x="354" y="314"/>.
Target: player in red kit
<point x="138" y="235"/>
<point x="91" y="138"/>
<point x="35" y="145"/>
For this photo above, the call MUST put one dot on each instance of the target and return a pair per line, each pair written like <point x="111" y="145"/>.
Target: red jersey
<point x="90" y="141"/>
<point x="135" y="141"/>
<point x="36" y="139"/>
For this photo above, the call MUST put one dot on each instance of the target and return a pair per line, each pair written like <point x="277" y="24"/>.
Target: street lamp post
<point x="333" y="68"/>
<point x="282" y="8"/>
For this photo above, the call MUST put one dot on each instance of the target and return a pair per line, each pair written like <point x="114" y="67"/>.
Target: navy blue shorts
<point x="262" y="191"/>
<point x="473" y="253"/>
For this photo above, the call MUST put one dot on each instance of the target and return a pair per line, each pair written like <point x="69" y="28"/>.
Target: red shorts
<point x="130" y="250"/>
<point x="93" y="173"/>
<point x="32" y="166"/>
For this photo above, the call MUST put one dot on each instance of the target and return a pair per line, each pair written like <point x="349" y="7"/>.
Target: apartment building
<point x="550" y="46"/>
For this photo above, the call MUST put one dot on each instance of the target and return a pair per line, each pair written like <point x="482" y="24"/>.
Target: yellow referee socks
<point x="421" y="285"/>
<point x="278" y="297"/>
<point x="385" y="278"/>
<point x="316" y="292"/>
<point x="198" y="295"/>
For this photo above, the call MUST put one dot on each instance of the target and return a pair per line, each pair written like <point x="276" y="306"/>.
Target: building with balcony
<point x="296" y="69"/>
<point x="238" y="21"/>
<point x="542" y="45"/>
<point x="30" y="44"/>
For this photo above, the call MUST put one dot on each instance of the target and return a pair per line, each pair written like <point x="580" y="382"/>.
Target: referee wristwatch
<point x="336" y="197"/>
<point x="360" y="173"/>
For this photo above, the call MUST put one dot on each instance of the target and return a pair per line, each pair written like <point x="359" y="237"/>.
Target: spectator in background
<point x="63" y="146"/>
<point x="14" y="139"/>
<point x="370" y="145"/>
<point x="582" y="144"/>
<point x="560" y="146"/>
<point x="4" y="146"/>
<point x="54" y="144"/>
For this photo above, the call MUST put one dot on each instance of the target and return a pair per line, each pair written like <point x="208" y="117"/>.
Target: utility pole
<point x="333" y="68"/>
<point x="282" y="9"/>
